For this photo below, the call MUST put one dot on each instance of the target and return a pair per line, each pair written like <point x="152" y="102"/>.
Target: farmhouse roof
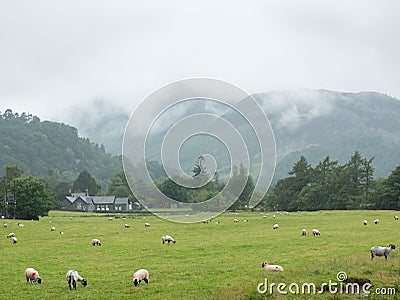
<point x="122" y="200"/>
<point x="103" y="199"/>
<point x="85" y="199"/>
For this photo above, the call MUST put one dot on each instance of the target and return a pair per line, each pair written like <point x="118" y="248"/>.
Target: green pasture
<point x="208" y="261"/>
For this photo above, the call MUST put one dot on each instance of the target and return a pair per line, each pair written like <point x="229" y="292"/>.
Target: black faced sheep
<point x="14" y="240"/>
<point x="235" y="221"/>
<point x="382" y="251"/>
<point x="316" y="232"/>
<point x="269" y="267"/>
<point x="73" y="277"/>
<point x="276" y="226"/>
<point x="365" y="222"/>
<point x="53" y="229"/>
<point x="146" y="224"/>
<point x="11" y="234"/>
<point x="5" y="225"/>
<point x="126" y="225"/>
<point x="32" y="276"/>
<point x="396" y="218"/>
<point x="376" y="221"/>
<point x="304" y="232"/>
<point x="140" y="275"/>
<point x="96" y="242"/>
<point x="167" y="238"/>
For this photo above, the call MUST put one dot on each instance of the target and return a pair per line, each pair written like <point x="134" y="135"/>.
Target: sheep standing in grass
<point x="376" y="221"/>
<point x="269" y="267"/>
<point x="14" y="240"/>
<point x="276" y="226"/>
<point x="73" y="277"/>
<point x="316" y="232"/>
<point x="146" y="224"/>
<point x="382" y="251"/>
<point x="126" y="226"/>
<point x="11" y="234"/>
<point x="304" y="232"/>
<point x="5" y="225"/>
<point x="365" y="222"/>
<point x="140" y="275"/>
<point x="167" y="238"/>
<point x="53" y="229"/>
<point x="32" y="276"/>
<point x="396" y="218"/>
<point x="96" y="242"/>
<point x="235" y="221"/>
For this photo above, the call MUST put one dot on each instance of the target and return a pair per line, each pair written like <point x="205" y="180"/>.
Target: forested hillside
<point x="41" y="148"/>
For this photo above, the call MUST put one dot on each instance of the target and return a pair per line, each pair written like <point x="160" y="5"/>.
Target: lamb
<point x="396" y="218"/>
<point x="11" y="234"/>
<point x="14" y="239"/>
<point x="267" y="266"/>
<point x="96" y="242"/>
<point x="32" y="276"/>
<point x="146" y="224"/>
<point x="73" y="277"/>
<point x="381" y="251"/>
<point x="140" y="275"/>
<point x="167" y="238"/>
<point x="376" y="221"/>
<point x="276" y="226"/>
<point x="365" y="222"/>
<point x="304" y="232"/>
<point x="316" y="232"/>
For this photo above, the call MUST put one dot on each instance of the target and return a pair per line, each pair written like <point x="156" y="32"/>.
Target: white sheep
<point x="217" y="222"/>
<point x="167" y="238"/>
<point x="396" y="218"/>
<point x="235" y="221"/>
<point x="21" y="225"/>
<point x="382" y="251"/>
<point x="304" y="232"/>
<point x="96" y="242"/>
<point x="245" y="220"/>
<point x="5" y="225"/>
<point x="53" y="229"/>
<point x="140" y="275"/>
<point x="276" y="226"/>
<point x="14" y="240"/>
<point x="269" y="267"/>
<point x="377" y="221"/>
<point x="11" y="234"/>
<point x="316" y="232"/>
<point x="32" y="276"/>
<point x="73" y="277"/>
<point x="146" y="224"/>
<point x="110" y="218"/>
<point x="365" y="222"/>
<point x="126" y="226"/>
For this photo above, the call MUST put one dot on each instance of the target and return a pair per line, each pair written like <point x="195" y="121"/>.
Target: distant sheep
<point x="61" y="232"/>
<point x="146" y="224"/>
<point x="376" y="221"/>
<point x="365" y="222"/>
<point x="110" y="218"/>
<point x="269" y="267"/>
<point x="5" y="225"/>
<point x="140" y="275"/>
<point x="396" y="218"/>
<point x="235" y="221"/>
<point x="126" y="226"/>
<point x="276" y="226"/>
<point x="11" y="234"/>
<point x="32" y="276"/>
<point x="245" y="220"/>
<point x="21" y="225"/>
<point x="316" y="232"/>
<point x="382" y="251"/>
<point x="304" y="232"/>
<point x="96" y="242"/>
<point x="167" y="238"/>
<point x="14" y="240"/>
<point x="73" y="277"/>
<point x="217" y="222"/>
<point x="53" y="229"/>
<point x="264" y="217"/>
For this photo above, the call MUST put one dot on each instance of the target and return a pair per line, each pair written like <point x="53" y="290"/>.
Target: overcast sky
<point x="59" y="56"/>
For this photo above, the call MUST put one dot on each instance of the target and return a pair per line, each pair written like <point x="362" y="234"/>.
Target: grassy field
<point x="209" y="261"/>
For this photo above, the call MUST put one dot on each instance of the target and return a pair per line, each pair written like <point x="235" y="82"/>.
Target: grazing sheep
<point x="365" y="222"/>
<point x="235" y="221"/>
<point x="267" y="266"/>
<point x="96" y="242"/>
<point x="276" y="226"/>
<point x="53" y="229"/>
<point x="217" y="222"/>
<point x="126" y="226"/>
<point x="396" y="218"/>
<point x="73" y="277"/>
<point x="61" y="232"/>
<point x="376" y="221"/>
<point x="110" y="218"/>
<point x="32" y="276"/>
<point x="316" y="232"/>
<point x="21" y="225"/>
<point x="304" y="232"/>
<point x="382" y="251"/>
<point x="146" y="224"/>
<point x="245" y="220"/>
<point x="140" y="275"/>
<point x="264" y="217"/>
<point x="274" y="216"/>
<point x="167" y="238"/>
<point x="11" y="234"/>
<point x="14" y="239"/>
<point x="5" y="225"/>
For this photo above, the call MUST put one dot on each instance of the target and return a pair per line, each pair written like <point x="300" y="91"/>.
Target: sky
<point x="67" y="60"/>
